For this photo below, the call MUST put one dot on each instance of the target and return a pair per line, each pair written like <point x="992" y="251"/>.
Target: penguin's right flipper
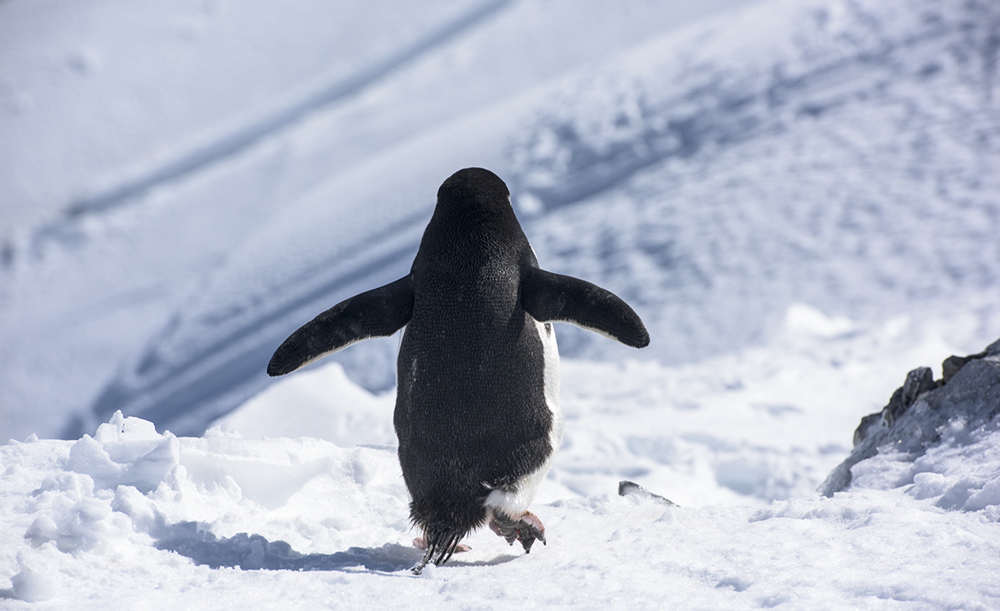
<point x="553" y="297"/>
<point x="376" y="313"/>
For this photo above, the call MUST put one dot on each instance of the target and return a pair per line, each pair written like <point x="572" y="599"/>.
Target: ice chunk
<point x="31" y="586"/>
<point x="125" y="451"/>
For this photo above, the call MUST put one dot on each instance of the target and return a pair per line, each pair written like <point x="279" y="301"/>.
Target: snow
<point x="131" y="512"/>
<point x="798" y="197"/>
<point x="303" y="482"/>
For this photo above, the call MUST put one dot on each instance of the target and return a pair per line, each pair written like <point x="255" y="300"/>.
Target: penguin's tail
<point x="441" y="544"/>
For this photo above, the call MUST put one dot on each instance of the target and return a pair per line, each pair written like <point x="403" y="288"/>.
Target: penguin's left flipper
<point x="376" y="313"/>
<point x="553" y="297"/>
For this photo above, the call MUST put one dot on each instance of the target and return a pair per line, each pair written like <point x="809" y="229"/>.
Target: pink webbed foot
<point x="421" y="543"/>
<point x="525" y="528"/>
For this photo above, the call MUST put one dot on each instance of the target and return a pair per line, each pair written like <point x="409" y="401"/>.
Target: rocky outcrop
<point x="969" y="391"/>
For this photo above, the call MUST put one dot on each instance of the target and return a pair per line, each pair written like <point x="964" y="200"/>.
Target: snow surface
<point x="799" y="198"/>
<point x="239" y="518"/>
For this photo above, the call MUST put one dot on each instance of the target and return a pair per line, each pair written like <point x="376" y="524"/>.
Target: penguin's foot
<point x="421" y="543"/>
<point x="525" y="528"/>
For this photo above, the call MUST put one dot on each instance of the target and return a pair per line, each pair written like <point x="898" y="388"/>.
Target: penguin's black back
<point x="473" y="414"/>
<point x="470" y="408"/>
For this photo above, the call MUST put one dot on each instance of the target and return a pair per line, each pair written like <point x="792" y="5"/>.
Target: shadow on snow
<point x="250" y="552"/>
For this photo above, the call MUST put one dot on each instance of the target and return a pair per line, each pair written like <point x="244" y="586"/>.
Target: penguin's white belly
<point x="515" y="502"/>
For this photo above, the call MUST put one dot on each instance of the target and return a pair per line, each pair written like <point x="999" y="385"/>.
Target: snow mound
<point x="125" y="451"/>
<point x="129" y="486"/>
<point x="321" y="402"/>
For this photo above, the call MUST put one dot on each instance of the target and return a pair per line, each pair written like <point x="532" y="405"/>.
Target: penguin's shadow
<point x="253" y="552"/>
<point x="503" y="559"/>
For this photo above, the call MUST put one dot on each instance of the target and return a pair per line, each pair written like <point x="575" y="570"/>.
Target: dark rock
<point x="918" y="381"/>
<point x="867" y="422"/>
<point x="910" y="423"/>
<point x="953" y="363"/>
<point x="627" y="488"/>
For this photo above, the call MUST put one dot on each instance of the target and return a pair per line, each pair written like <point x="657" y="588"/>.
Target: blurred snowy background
<point x="183" y="184"/>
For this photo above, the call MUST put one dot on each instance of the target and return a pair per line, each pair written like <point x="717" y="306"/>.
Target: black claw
<point x="438" y="551"/>
<point x="419" y="567"/>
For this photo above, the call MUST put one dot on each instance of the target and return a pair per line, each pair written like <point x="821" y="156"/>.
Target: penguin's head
<point x="474" y="189"/>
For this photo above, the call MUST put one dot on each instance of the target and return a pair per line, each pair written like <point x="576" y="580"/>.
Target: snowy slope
<point x="160" y="91"/>
<point x="838" y="154"/>
<point x="144" y="187"/>
<point x="711" y="178"/>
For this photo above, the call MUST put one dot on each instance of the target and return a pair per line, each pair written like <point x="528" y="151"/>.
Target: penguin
<point x="477" y="404"/>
